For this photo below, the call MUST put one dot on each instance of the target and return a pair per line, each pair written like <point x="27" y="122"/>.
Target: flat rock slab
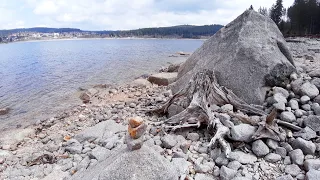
<point x="121" y="164"/>
<point x="242" y="157"/>
<point x="140" y="83"/>
<point x="16" y="136"/>
<point x="163" y="79"/>
<point x="102" y="130"/>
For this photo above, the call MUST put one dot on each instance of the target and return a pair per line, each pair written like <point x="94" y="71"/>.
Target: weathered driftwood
<point x="201" y="93"/>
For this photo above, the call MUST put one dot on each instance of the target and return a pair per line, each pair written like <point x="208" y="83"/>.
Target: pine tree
<point x="263" y="11"/>
<point x="276" y="12"/>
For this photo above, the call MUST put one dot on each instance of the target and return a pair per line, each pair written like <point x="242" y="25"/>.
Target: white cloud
<point x="46" y="8"/>
<point x="132" y="14"/>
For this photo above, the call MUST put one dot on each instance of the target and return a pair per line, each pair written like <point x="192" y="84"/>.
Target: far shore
<point x="107" y="38"/>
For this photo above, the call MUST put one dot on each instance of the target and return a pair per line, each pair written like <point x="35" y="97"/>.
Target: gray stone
<point x="309" y="89"/>
<point x="73" y="146"/>
<point x="313" y="175"/>
<point x="102" y="130"/>
<point x="227" y="173"/>
<point x="287" y="160"/>
<point x="227" y="108"/>
<point x="317" y="99"/>
<point x="296" y="85"/>
<point x="304" y="99"/>
<point x="306" y="133"/>
<point x="215" y="153"/>
<point x="163" y="79"/>
<point x="201" y="168"/>
<point x="297" y="156"/>
<point x="57" y="174"/>
<point x="307" y="147"/>
<point x="201" y="176"/>
<point x="242" y="132"/>
<point x="314" y="73"/>
<point x="193" y="136"/>
<point x="281" y="90"/>
<point x="285" y="177"/>
<point x="140" y="83"/>
<point x="287" y="116"/>
<point x="185" y="146"/>
<point x="316" y="82"/>
<point x="132" y="105"/>
<point x="298" y="113"/>
<point x="180" y="155"/>
<point x="99" y="153"/>
<point x="292" y="169"/>
<point x="242" y="157"/>
<point x="235" y="53"/>
<point x="121" y="164"/>
<point x="235" y="165"/>
<point x="280" y="106"/>
<point x="278" y="98"/>
<point x="259" y="148"/>
<point x="312" y="164"/>
<point x="281" y="151"/>
<point x="293" y="104"/>
<point x="313" y="122"/>
<point x="301" y="177"/>
<point x="221" y="160"/>
<point x="182" y="166"/>
<point x="272" y="157"/>
<point x="168" y="141"/>
<point x="316" y="110"/>
<point x="272" y="143"/>
<point x="133" y="144"/>
<point x="306" y="107"/>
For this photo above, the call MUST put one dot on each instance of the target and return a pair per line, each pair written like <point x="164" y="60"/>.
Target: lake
<point x="40" y="78"/>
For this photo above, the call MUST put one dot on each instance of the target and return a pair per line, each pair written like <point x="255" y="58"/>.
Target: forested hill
<point x="183" y="31"/>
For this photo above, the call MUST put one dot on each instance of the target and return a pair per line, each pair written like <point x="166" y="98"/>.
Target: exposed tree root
<point x="201" y="93"/>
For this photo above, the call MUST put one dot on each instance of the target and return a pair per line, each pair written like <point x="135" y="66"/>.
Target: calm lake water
<point x="40" y="78"/>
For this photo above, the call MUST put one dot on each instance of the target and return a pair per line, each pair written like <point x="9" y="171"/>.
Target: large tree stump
<point x="201" y="93"/>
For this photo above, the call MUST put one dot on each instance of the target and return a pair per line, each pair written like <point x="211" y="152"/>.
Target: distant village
<point x="28" y="36"/>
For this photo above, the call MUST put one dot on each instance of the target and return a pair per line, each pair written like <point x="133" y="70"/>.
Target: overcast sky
<point x="122" y="14"/>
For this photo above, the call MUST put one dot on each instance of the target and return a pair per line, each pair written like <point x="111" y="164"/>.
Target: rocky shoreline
<point x="64" y="146"/>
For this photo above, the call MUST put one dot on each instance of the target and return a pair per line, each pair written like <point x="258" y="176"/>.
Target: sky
<point x="122" y="14"/>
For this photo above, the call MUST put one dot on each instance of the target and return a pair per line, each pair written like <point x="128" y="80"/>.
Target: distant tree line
<point x="300" y="19"/>
<point x="184" y="31"/>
